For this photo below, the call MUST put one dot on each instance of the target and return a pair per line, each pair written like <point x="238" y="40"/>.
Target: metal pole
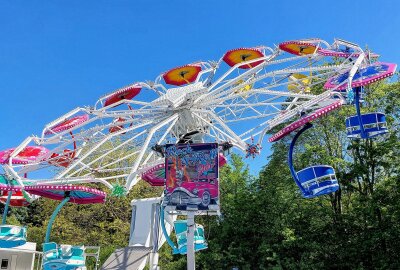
<point x="191" y="262"/>
<point x="156" y="227"/>
<point x="53" y="217"/>
<point x="133" y="223"/>
<point x="6" y="208"/>
<point x="155" y="236"/>
<point x="358" y="109"/>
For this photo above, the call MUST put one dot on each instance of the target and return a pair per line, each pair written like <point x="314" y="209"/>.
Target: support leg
<point x="53" y="217"/>
<point x="363" y="135"/>
<point x="191" y="262"/>
<point x="6" y="208"/>
<point x="155" y="236"/>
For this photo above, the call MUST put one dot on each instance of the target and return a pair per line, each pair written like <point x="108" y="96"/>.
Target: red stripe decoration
<point x="17" y="199"/>
<point x="28" y="155"/>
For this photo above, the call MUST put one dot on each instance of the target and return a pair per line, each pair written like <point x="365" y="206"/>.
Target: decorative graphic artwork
<point x="192" y="176"/>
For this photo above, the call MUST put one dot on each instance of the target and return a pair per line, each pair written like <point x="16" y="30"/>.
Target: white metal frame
<point x="215" y="105"/>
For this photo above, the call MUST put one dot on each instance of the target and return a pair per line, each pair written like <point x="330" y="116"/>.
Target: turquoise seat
<point x="180" y="227"/>
<point x="50" y="251"/>
<point x="63" y="257"/>
<point x="78" y="251"/>
<point x="5" y="231"/>
<point x="77" y="259"/>
<point x="12" y="236"/>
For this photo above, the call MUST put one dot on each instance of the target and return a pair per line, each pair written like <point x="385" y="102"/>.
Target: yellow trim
<point x="301" y="49"/>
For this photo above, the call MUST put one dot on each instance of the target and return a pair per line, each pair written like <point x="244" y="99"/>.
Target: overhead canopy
<point x="77" y="194"/>
<point x="298" y="47"/>
<point x="241" y="55"/>
<point x="304" y="120"/>
<point x="68" y="123"/>
<point x="27" y="155"/>
<point x="182" y="75"/>
<point x="364" y="76"/>
<point x="128" y="92"/>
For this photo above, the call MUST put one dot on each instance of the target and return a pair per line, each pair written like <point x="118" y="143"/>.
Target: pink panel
<point x="366" y="75"/>
<point x="151" y="177"/>
<point x="10" y="188"/>
<point x="69" y="123"/>
<point x="27" y="155"/>
<point x="47" y="191"/>
<point x="302" y="121"/>
<point x="336" y="53"/>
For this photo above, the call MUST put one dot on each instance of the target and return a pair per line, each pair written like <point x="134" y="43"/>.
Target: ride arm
<point x="358" y="109"/>
<point x="290" y="156"/>
<point x="164" y="230"/>
<point x="53" y="217"/>
<point x="6" y="208"/>
<point x="353" y="71"/>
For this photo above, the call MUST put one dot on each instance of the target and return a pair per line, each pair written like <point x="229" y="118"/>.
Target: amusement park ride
<point x="174" y="132"/>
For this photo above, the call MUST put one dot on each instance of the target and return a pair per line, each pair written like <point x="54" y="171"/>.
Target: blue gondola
<point x="65" y="257"/>
<point x="367" y="125"/>
<point x="373" y="124"/>
<point x="312" y="181"/>
<point x="180" y="227"/>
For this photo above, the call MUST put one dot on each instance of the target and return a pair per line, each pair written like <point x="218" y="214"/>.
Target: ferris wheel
<point x="234" y="100"/>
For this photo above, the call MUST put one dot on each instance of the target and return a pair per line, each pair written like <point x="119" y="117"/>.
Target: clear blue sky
<point x="57" y="55"/>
